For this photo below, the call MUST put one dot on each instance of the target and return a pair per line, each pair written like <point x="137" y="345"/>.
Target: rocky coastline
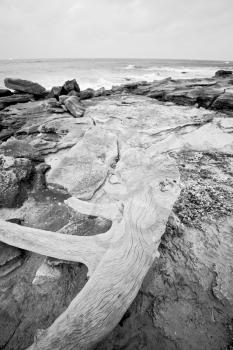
<point x="88" y="144"/>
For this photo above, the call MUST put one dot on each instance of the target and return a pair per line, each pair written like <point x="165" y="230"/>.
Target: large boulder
<point x="24" y="86"/>
<point x="223" y="73"/>
<point x="71" y="85"/>
<point x="74" y="106"/>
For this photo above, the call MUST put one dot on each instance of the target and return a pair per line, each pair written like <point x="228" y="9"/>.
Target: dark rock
<point x="224" y="102"/>
<point x="5" y="92"/>
<point x="71" y="85"/>
<point x="74" y="106"/>
<point x="39" y="182"/>
<point x="85" y="94"/>
<point x="203" y="97"/>
<point x="223" y="73"/>
<point x="55" y="92"/>
<point x="25" y="86"/>
<point x="13" y="99"/>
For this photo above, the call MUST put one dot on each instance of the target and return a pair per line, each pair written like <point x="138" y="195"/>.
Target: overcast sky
<point x="200" y="29"/>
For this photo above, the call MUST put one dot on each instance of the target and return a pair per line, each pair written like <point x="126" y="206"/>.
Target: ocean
<point x="96" y="73"/>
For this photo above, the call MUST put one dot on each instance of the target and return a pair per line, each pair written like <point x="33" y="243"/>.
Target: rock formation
<point x="24" y="86"/>
<point x="139" y="191"/>
<point x="74" y="106"/>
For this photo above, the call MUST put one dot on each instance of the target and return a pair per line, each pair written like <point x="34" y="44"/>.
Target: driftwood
<point x="117" y="260"/>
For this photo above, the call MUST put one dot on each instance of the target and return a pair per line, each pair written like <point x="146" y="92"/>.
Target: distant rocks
<point x="71" y="85"/>
<point x="74" y="106"/>
<point x="211" y="93"/>
<point x="27" y="86"/>
<point x="223" y="73"/>
<point x="224" y="102"/>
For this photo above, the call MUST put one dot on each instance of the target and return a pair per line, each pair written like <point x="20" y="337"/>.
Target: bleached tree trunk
<point x="118" y="259"/>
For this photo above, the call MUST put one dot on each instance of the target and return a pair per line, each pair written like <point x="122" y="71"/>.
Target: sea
<point x="97" y="73"/>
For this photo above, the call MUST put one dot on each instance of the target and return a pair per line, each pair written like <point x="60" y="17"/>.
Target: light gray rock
<point x="74" y="106"/>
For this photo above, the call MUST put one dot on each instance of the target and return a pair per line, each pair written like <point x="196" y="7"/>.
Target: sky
<point x="189" y="29"/>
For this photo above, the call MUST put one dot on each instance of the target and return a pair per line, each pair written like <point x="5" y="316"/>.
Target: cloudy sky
<point x="200" y="29"/>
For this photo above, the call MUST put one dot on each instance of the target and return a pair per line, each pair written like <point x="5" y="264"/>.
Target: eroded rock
<point x="71" y="85"/>
<point x="223" y="73"/>
<point x="25" y="86"/>
<point x="14" y="99"/>
<point x="186" y="299"/>
<point x="74" y="106"/>
<point x="88" y="161"/>
<point x="13" y="174"/>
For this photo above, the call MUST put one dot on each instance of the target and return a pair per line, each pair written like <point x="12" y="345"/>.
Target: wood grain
<point x="118" y="259"/>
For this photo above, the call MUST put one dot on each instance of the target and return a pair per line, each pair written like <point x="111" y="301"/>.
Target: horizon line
<point x="115" y="58"/>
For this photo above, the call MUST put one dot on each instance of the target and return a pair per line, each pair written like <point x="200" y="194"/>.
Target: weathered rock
<point x="13" y="172"/>
<point x="89" y="162"/>
<point x="6" y="134"/>
<point x="13" y="99"/>
<point x="19" y="149"/>
<point x="25" y="86"/>
<point x="5" y="92"/>
<point x="223" y="73"/>
<point x="88" y="93"/>
<point x="74" y="106"/>
<point x="11" y="258"/>
<point x="203" y="97"/>
<point x="55" y="92"/>
<point x="100" y="92"/>
<point x="224" y="102"/>
<point x="62" y="98"/>
<point x="73" y="93"/>
<point x="52" y="102"/>
<point x="195" y="264"/>
<point x="71" y="85"/>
